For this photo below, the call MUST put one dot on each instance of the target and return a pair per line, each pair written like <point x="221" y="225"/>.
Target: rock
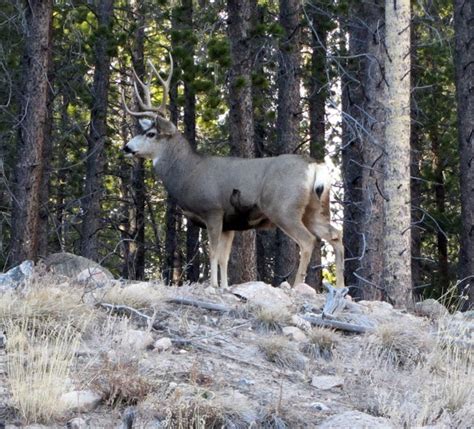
<point x="319" y="406"/>
<point x="163" y="344"/>
<point x="326" y="382"/>
<point x="355" y="420"/>
<point x="14" y="277"/>
<point x="137" y="339"/>
<point x="295" y="334"/>
<point x="305" y="290"/>
<point x="301" y="323"/>
<point x="81" y="401"/>
<point x="377" y="305"/>
<point x="285" y="285"/>
<point x="77" y="423"/>
<point x="69" y="265"/>
<point x="263" y="295"/>
<point x="94" y="275"/>
<point x="431" y="308"/>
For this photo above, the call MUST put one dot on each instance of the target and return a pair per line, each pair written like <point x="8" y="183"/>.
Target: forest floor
<point x="123" y="355"/>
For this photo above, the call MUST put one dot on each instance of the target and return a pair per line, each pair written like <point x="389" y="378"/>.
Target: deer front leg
<point x="225" y="246"/>
<point x="214" y="230"/>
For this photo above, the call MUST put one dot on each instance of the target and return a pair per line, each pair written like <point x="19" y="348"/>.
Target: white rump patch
<point x="318" y="177"/>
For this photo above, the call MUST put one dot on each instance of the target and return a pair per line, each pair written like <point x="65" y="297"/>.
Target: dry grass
<point x="321" y="343"/>
<point x="45" y="300"/>
<point x="120" y="383"/>
<point x="269" y="319"/>
<point x="39" y="362"/>
<point x="414" y="380"/>
<point x="282" y="352"/>
<point x="138" y="295"/>
<point x="400" y="344"/>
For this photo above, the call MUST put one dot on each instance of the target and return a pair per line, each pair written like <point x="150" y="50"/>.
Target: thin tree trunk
<point x="30" y="173"/>
<point x="192" y="231"/>
<point x="287" y="124"/>
<point x="464" y="64"/>
<point x="397" y="233"/>
<point x="363" y="148"/>
<point x="243" y="265"/>
<point x="317" y="96"/>
<point x="91" y="202"/>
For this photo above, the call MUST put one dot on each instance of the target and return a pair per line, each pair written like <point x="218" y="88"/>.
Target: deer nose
<point x="126" y="149"/>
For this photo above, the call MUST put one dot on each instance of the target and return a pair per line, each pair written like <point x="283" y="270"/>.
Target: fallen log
<point x="336" y="324"/>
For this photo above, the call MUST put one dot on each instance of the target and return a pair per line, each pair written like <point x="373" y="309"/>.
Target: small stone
<point x="304" y="289"/>
<point x="81" y="400"/>
<point x="163" y="344"/>
<point x="76" y="423"/>
<point x="139" y="340"/>
<point x="326" y="382"/>
<point x="355" y="420"/>
<point x="246" y="382"/>
<point x="285" y="285"/>
<point x="295" y="334"/>
<point x="319" y="406"/>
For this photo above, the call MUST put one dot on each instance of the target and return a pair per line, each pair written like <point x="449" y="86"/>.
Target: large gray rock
<point x="76" y="267"/>
<point x="263" y="295"/>
<point x="355" y="420"/>
<point x="431" y="308"/>
<point x="80" y="400"/>
<point x="17" y="275"/>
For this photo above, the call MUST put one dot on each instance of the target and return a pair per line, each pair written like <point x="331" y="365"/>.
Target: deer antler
<point x="145" y="103"/>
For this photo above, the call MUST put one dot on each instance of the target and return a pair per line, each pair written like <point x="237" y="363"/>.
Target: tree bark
<point x="464" y="65"/>
<point x="397" y="203"/>
<point x="30" y="173"/>
<point x="363" y="96"/>
<point x="243" y="267"/>
<point x="192" y="231"/>
<point x="91" y="202"/>
<point x="317" y="96"/>
<point x="288" y="118"/>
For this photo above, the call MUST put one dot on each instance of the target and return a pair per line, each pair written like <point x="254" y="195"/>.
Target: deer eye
<point x="151" y="134"/>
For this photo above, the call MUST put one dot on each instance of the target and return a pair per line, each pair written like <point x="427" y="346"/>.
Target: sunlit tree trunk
<point x="397" y="232"/>
<point x="30" y="190"/>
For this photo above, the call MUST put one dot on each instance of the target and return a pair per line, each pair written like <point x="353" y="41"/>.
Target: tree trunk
<point x="91" y="202"/>
<point x="362" y="154"/>
<point x="464" y="64"/>
<point x="288" y="118"/>
<point x="397" y="233"/>
<point x="243" y="267"/>
<point x="317" y="95"/>
<point x="192" y="231"/>
<point x="30" y="194"/>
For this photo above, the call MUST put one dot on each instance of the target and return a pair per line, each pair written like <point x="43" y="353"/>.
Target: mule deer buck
<point x="225" y="194"/>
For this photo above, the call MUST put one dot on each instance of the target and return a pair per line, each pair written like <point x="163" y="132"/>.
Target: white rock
<point x="430" y="308"/>
<point x="285" y="285"/>
<point x="377" y="305"/>
<point x="93" y="275"/>
<point x="295" y="334"/>
<point x="163" y="344"/>
<point x="81" y="400"/>
<point x="305" y="290"/>
<point x="301" y="323"/>
<point x="263" y="295"/>
<point x="138" y="340"/>
<point x="77" y="423"/>
<point x="319" y="406"/>
<point x="355" y="420"/>
<point x="326" y="382"/>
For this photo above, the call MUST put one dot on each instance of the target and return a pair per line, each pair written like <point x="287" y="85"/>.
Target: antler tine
<point x="147" y="113"/>
<point x="165" y="83"/>
<point x="145" y="105"/>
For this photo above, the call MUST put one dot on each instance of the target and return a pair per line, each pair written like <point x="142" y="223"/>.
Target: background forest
<point x="252" y="78"/>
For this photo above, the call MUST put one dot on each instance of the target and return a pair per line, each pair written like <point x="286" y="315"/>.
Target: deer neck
<point x="175" y="160"/>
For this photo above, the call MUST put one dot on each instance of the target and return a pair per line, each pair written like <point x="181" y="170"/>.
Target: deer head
<point x="156" y="127"/>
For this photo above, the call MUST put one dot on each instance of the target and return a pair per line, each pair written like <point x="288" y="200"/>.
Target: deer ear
<point x="145" y="123"/>
<point x="166" y="127"/>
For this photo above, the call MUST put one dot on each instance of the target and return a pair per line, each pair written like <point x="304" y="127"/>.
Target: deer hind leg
<point x="224" y="248"/>
<point x="297" y="231"/>
<point x="214" y="230"/>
